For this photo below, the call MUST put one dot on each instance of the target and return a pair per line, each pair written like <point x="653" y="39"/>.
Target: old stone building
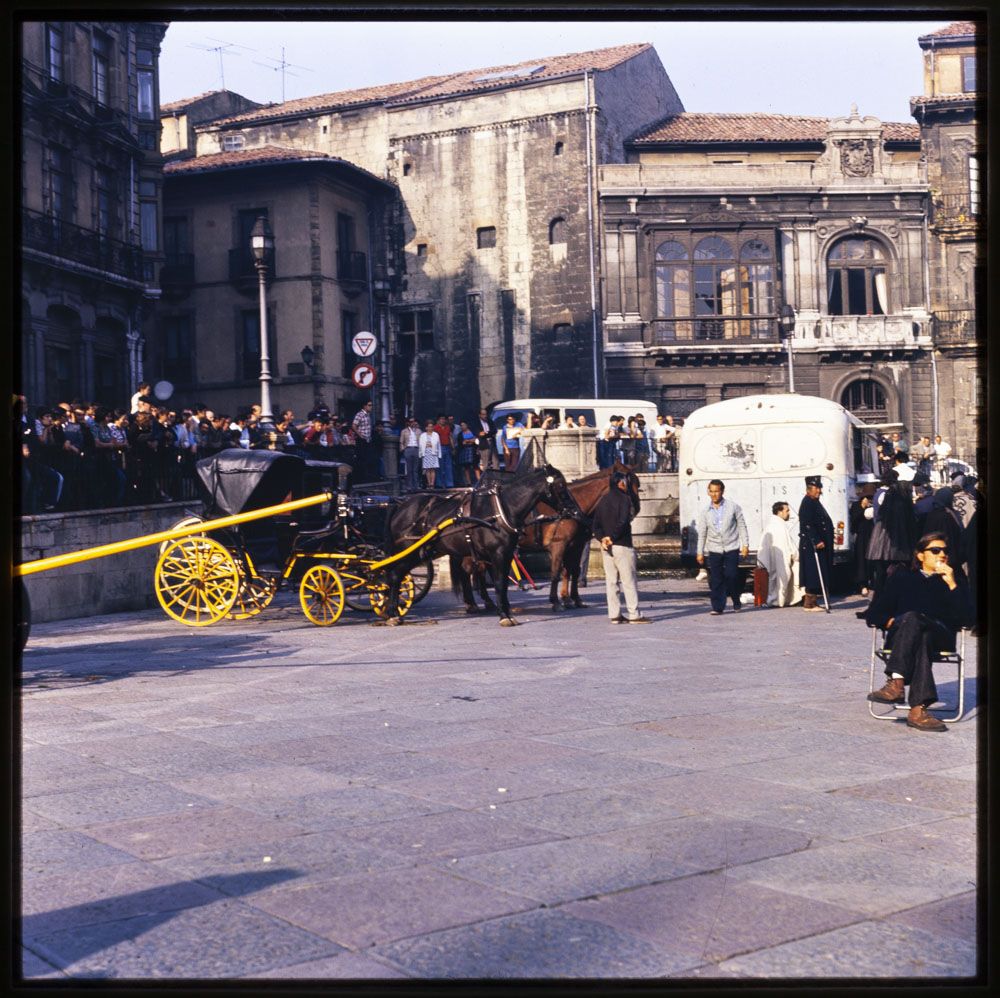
<point x="492" y="273"/>
<point x="950" y="113"/>
<point x="90" y="206"/>
<point x="719" y="221"/>
<point x="179" y="118"/>
<point x="326" y="216"/>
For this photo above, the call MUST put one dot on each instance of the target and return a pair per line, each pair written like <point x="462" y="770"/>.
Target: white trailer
<point x="762" y="447"/>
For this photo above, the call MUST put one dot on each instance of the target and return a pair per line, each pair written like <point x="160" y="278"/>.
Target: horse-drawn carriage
<point x="329" y="552"/>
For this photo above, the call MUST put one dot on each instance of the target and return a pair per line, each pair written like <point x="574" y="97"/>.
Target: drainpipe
<point x="927" y="299"/>
<point x="588" y="109"/>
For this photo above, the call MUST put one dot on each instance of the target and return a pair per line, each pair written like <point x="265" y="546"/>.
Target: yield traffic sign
<point x="363" y="376"/>
<point x="364" y="344"/>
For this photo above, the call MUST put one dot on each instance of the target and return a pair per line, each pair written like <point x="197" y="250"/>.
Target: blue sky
<point x="779" y="67"/>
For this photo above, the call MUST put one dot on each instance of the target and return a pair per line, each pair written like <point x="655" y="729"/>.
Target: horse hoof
<point x="579" y="604"/>
<point x="472" y="609"/>
<point x="394" y="622"/>
<point x="508" y="622"/>
<point x="557" y="608"/>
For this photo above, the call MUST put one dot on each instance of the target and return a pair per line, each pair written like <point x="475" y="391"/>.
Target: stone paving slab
<point x="557" y="871"/>
<point x="84" y="897"/>
<point x="537" y="944"/>
<point x="226" y="939"/>
<point x="361" y="911"/>
<point x="188" y="831"/>
<point x="494" y="802"/>
<point x="878" y="950"/>
<point x="130" y="797"/>
<point x="707" y="918"/>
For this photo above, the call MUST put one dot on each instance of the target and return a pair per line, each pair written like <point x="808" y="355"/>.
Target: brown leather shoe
<point x="892" y="692"/>
<point x="920" y="719"/>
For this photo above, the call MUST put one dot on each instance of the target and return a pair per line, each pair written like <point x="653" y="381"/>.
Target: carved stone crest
<point x="857" y="158"/>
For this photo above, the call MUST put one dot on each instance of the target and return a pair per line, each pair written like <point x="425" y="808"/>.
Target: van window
<point x="732" y="448"/>
<point x="587" y="414"/>
<point x="789" y="448"/>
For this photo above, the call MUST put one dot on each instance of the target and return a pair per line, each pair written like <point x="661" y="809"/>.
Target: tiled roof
<point x="178" y="105"/>
<point x="955" y="29"/>
<point x="750" y="128"/>
<point x="264" y="156"/>
<point x="969" y="95"/>
<point x="447" y="85"/>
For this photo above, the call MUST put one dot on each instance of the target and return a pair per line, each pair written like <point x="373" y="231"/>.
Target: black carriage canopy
<point x="239" y="481"/>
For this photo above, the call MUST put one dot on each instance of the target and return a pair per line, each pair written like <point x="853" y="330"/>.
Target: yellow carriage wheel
<point x="378" y="594"/>
<point x="196" y="581"/>
<point x="321" y="595"/>
<point x="254" y="595"/>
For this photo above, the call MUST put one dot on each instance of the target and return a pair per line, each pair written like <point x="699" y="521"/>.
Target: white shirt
<point x="410" y="437"/>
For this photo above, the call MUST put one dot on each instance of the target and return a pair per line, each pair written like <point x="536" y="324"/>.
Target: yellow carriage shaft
<point x="119" y="547"/>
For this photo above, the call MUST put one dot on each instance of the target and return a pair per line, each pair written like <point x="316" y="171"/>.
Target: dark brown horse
<point x="564" y="536"/>
<point x="488" y="522"/>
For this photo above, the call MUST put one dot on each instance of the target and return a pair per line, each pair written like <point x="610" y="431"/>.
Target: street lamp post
<point x="787" y="327"/>
<point x="261" y="245"/>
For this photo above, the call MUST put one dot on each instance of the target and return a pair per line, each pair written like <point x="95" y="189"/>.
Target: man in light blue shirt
<point x="722" y="534"/>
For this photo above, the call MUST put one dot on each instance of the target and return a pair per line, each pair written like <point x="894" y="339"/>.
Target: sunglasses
<point x="937" y="550"/>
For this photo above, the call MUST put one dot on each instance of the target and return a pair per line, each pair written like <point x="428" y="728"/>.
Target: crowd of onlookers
<point x="81" y="455"/>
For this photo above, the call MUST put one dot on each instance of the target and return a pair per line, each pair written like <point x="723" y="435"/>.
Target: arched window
<point x="856" y="278"/>
<point x="673" y="280"/>
<point x="705" y="290"/>
<point x="866" y="399"/>
<point x="557" y="231"/>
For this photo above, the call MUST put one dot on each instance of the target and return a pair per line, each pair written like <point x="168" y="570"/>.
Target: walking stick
<point x="822" y="585"/>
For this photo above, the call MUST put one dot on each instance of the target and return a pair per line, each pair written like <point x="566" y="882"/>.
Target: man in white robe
<point x="778" y="552"/>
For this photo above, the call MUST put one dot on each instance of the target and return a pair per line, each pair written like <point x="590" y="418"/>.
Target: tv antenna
<point x="222" y="48"/>
<point x="283" y="66"/>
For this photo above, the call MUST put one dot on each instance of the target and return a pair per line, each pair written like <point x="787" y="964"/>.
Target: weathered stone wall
<point x="113" y="584"/>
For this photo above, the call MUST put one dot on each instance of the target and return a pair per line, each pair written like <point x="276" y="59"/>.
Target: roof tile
<point x="244" y="157"/>
<point x="447" y="85"/>
<point x="752" y="128"/>
<point x="956" y="28"/>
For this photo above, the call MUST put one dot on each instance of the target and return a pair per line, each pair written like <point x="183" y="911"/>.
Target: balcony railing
<point x="955" y="209"/>
<point x="705" y="331"/>
<point x="862" y="331"/>
<point x="352" y="267"/>
<point x="956" y="326"/>
<point x="75" y="244"/>
<point x="243" y="268"/>
<point x="177" y="270"/>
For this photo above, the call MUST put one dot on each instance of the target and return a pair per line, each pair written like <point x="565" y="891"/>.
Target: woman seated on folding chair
<point x="921" y="609"/>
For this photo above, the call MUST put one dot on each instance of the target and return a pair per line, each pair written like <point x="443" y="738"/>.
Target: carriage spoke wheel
<point x="378" y="594"/>
<point x="196" y="581"/>
<point x="321" y="595"/>
<point x="254" y="595"/>
<point x="355" y="588"/>
<point x="423" y="578"/>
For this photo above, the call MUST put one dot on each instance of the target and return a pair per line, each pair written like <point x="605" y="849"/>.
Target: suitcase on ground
<point x="759" y="586"/>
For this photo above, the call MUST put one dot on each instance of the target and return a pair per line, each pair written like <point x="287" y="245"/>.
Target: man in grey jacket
<point x="722" y="533"/>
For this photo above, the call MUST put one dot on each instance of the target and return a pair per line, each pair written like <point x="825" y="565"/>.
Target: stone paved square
<point x="528" y="801"/>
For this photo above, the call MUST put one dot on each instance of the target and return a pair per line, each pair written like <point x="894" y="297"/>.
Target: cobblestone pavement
<point x="701" y="798"/>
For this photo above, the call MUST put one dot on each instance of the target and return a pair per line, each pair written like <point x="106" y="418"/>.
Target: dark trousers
<point x="723" y="578"/>
<point x="915" y="639"/>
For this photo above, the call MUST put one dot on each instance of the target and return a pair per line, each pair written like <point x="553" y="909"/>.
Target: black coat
<point x="910" y="590"/>
<point x="815" y="526"/>
<point x="613" y="517"/>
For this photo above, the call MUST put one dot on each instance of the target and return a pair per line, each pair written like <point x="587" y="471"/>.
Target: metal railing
<point x="955" y="326"/>
<point x="75" y="244"/>
<point x="177" y="270"/>
<point x="352" y="266"/>
<point x="667" y="332"/>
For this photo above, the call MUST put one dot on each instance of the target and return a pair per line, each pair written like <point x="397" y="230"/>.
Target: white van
<point x="597" y="412"/>
<point x="762" y="447"/>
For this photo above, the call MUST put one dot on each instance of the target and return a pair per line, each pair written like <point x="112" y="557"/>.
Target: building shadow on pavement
<point x="56" y="935"/>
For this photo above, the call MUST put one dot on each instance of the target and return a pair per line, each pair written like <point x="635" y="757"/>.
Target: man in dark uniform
<point x="815" y="535"/>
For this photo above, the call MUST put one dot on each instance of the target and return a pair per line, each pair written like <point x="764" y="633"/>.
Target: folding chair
<point x="882" y="654"/>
